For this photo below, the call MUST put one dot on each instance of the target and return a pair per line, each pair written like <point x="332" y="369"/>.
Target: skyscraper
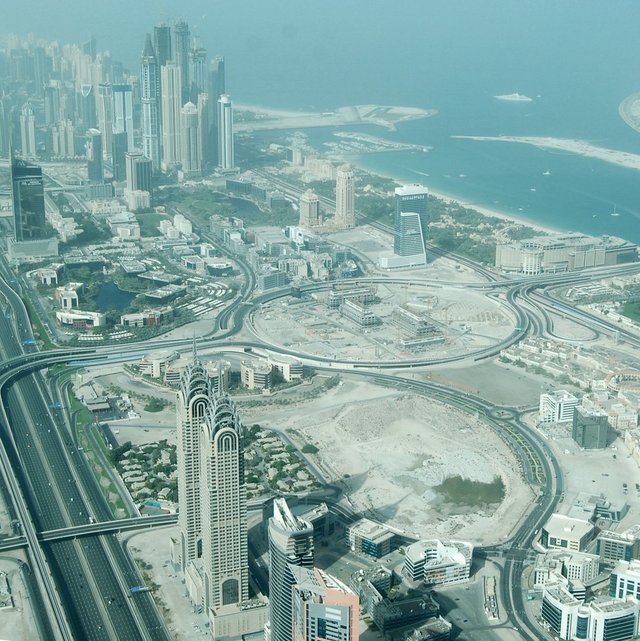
<point x="197" y="71"/>
<point x="410" y="221"/>
<point x="290" y="544"/>
<point x="51" y="104"/>
<point x="138" y="171"/>
<point x="215" y="88"/>
<point x="323" y="607"/>
<point x="224" y="506"/>
<point x="162" y="44"/>
<point x="190" y="142"/>
<point x="345" y="198"/>
<point x="93" y="146"/>
<point x="119" y="147"/>
<point x="203" y="125"/>
<point x="28" y="131"/>
<point x="194" y="400"/>
<point x="104" y="111"/>
<point x="27" y="192"/>
<point x="123" y="112"/>
<point x="150" y="96"/>
<point x="309" y="209"/>
<point x="171" y="106"/>
<point x="181" y="47"/>
<point x="226" y="160"/>
<point x="86" y="106"/>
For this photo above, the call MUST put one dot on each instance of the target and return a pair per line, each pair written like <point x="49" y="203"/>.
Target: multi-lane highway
<point x="58" y="493"/>
<point x="92" y="576"/>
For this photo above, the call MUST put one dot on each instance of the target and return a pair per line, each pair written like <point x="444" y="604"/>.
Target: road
<point x="92" y="576"/>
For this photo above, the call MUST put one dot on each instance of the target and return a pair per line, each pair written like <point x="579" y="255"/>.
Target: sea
<point x="576" y="59"/>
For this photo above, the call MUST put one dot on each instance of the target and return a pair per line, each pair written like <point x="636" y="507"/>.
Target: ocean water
<point x="576" y="58"/>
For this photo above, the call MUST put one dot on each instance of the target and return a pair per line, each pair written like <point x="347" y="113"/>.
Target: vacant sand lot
<point x="392" y="449"/>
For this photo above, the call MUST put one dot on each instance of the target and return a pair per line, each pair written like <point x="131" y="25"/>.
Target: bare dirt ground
<point x="390" y="450"/>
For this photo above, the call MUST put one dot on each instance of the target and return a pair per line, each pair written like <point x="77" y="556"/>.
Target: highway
<point x="93" y="573"/>
<point x="92" y="576"/>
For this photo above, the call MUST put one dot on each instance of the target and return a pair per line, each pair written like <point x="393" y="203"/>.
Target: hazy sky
<point x="373" y="46"/>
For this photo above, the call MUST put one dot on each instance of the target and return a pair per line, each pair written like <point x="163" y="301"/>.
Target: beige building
<point x="256" y="374"/>
<point x="309" y="204"/>
<point x="345" y="217"/>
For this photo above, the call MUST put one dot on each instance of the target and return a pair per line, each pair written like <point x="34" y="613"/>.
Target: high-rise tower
<point x="27" y="191"/>
<point x="171" y="106"/>
<point x="104" y="110"/>
<point x="323" y="607"/>
<point x="95" y="166"/>
<point x="215" y="88"/>
<point x="190" y="142"/>
<point x="138" y="172"/>
<point x="162" y="44"/>
<point x="345" y="198"/>
<point x="150" y="96"/>
<point x="410" y="222"/>
<point x="226" y="160"/>
<point x="223" y="497"/>
<point x="197" y="71"/>
<point x="181" y="46"/>
<point x="194" y="401"/>
<point x="123" y="112"/>
<point x="28" y="131"/>
<point x="290" y="544"/>
<point x="309" y="209"/>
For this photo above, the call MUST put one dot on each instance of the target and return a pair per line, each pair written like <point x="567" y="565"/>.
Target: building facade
<point x="590" y="428"/>
<point x="171" y="86"/>
<point x="345" y="198"/>
<point x="309" y="205"/>
<point x="150" y="98"/>
<point x="324" y="609"/>
<point x="27" y="191"/>
<point x="290" y="545"/>
<point x="194" y="400"/>
<point x="226" y="152"/>
<point x="557" y="407"/>
<point x="410" y="221"/>
<point x="224" y="506"/>
<point x="190" y="142"/>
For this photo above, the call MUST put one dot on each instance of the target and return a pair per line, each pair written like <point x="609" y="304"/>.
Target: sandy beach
<point x="453" y="199"/>
<point x="386" y="116"/>
<point x="568" y="145"/>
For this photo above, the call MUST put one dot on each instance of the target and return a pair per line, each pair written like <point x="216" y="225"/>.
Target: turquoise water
<point x="577" y="58"/>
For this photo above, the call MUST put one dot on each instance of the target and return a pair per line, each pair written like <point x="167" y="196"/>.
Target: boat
<point x="615" y="212"/>
<point x="546" y="173"/>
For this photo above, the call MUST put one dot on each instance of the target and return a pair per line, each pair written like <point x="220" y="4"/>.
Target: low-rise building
<point x="564" y="532"/>
<point x="371" y="538"/>
<point x="625" y="580"/>
<point x="557" y="406"/>
<point x="359" y="314"/>
<point x="438" y="563"/>
<point x="618" y="546"/>
<point x="256" y="374"/>
<point x="80" y="319"/>
<point x="68" y="296"/>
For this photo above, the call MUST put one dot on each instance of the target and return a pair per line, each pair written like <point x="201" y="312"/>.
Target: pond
<point x="111" y="297"/>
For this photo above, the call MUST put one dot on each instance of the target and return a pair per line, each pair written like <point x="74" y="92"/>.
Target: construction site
<point x="388" y="321"/>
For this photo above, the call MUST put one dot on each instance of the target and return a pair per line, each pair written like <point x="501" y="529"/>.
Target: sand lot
<point x="391" y="449"/>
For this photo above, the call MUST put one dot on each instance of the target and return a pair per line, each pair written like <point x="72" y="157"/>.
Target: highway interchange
<point x="85" y="573"/>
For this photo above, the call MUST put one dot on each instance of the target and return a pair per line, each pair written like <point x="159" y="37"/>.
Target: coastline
<point x="489" y="212"/>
